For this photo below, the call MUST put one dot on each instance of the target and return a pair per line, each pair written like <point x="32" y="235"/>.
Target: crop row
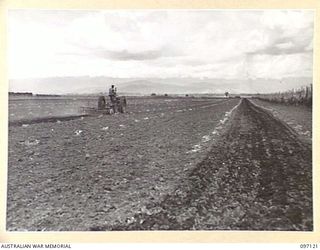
<point x="300" y="96"/>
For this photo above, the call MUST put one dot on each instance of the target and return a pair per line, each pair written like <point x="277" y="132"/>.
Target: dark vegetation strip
<point x="301" y="96"/>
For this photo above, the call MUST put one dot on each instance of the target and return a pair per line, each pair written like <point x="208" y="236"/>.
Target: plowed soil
<point x="176" y="164"/>
<point x="79" y="174"/>
<point x="257" y="176"/>
<point x="298" y="117"/>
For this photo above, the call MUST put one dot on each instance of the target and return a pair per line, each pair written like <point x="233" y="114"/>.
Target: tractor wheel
<point x="121" y="109"/>
<point x="101" y="102"/>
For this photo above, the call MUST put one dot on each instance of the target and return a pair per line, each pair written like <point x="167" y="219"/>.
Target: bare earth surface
<point x="257" y="176"/>
<point x="82" y="173"/>
<point x="299" y="118"/>
<point x="29" y="108"/>
<point x="167" y="164"/>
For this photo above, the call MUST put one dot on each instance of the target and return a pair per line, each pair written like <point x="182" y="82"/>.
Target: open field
<point x="299" y="118"/>
<point x="76" y="174"/>
<point x="28" y="108"/>
<point x="167" y="164"/>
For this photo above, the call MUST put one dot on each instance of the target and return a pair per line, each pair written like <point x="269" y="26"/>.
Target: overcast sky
<point x="203" y="43"/>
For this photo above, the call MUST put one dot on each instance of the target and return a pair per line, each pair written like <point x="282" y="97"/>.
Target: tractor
<point x="117" y="106"/>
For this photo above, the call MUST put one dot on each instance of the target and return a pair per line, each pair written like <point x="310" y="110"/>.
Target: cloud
<point x="286" y="33"/>
<point x="125" y="55"/>
<point x="166" y="43"/>
<point x="284" y="46"/>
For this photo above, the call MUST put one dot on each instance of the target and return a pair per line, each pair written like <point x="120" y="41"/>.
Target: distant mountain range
<point x="146" y="86"/>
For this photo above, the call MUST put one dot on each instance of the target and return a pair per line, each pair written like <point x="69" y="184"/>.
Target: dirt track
<point x="256" y="177"/>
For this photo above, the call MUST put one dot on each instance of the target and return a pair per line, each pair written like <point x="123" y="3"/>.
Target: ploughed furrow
<point x="258" y="176"/>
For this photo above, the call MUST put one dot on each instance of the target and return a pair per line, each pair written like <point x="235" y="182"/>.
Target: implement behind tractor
<point x="108" y="108"/>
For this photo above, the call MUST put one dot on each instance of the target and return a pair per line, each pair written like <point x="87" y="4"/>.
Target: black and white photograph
<point x="160" y="120"/>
